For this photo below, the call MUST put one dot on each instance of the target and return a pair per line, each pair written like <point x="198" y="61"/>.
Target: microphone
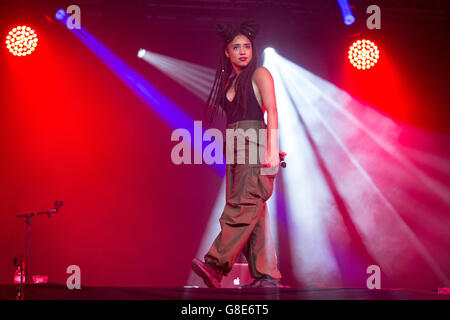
<point x="282" y="161"/>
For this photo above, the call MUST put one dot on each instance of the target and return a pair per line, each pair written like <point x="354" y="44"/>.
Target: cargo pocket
<point x="261" y="186"/>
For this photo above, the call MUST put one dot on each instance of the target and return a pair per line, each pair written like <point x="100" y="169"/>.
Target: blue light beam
<point x="160" y="104"/>
<point x="347" y="14"/>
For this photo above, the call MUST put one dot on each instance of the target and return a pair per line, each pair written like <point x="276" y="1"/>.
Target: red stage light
<point x="21" y="41"/>
<point x="363" y="54"/>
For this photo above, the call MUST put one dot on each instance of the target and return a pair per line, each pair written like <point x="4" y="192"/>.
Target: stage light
<point x="60" y="14"/>
<point x="304" y="219"/>
<point x="346" y="12"/>
<point x="322" y="127"/>
<point x="363" y="54"/>
<point x="269" y="50"/>
<point x="197" y="79"/>
<point x="21" y="41"/>
<point x="141" y="53"/>
<point x="160" y="104"/>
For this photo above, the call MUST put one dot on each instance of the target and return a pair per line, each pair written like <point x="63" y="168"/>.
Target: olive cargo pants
<point x="244" y="221"/>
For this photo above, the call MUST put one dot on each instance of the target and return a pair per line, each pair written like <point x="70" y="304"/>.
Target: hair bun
<point x="250" y="28"/>
<point x="226" y="31"/>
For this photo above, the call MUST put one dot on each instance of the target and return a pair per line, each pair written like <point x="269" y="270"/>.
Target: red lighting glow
<point x="21" y="41"/>
<point x="363" y="54"/>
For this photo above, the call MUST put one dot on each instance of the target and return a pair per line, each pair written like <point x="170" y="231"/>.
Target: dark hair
<point x="216" y="99"/>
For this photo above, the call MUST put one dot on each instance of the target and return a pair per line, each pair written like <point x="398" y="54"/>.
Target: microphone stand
<point x="28" y="217"/>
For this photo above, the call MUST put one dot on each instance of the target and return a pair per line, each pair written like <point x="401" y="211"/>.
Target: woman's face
<point x="237" y="50"/>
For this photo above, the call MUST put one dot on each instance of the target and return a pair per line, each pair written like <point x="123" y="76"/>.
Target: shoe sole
<point x="263" y="286"/>
<point x="202" y="273"/>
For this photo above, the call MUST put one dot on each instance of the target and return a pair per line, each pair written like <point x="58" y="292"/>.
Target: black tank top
<point x="254" y="110"/>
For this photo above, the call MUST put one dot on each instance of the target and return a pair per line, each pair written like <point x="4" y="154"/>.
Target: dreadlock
<point x="216" y="100"/>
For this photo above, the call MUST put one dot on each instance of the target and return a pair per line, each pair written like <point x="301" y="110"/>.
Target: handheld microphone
<point x="282" y="161"/>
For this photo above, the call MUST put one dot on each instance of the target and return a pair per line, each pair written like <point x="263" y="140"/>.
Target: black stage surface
<point x="60" y="292"/>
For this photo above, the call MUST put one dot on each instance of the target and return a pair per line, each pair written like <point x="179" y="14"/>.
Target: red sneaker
<point x="210" y="274"/>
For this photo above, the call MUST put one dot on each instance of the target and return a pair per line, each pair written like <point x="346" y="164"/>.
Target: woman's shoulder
<point x="262" y="77"/>
<point x="262" y="69"/>
<point x="261" y="74"/>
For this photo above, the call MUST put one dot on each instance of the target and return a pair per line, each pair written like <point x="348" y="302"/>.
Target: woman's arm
<point x="265" y="83"/>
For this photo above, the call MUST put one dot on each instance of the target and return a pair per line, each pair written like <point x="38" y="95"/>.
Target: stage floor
<point x="60" y="292"/>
